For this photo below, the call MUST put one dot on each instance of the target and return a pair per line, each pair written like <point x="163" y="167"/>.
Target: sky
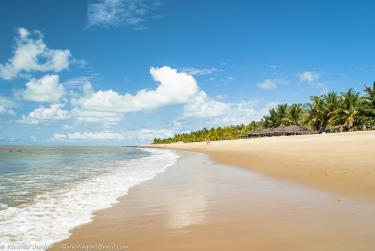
<point x="121" y="72"/>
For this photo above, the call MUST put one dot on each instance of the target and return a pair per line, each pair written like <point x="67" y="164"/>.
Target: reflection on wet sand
<point x="187" y="207"/>
<point x="200" y="205"/>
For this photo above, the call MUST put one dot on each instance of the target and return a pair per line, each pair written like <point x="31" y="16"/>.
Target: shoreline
<point x="340" y="163"/>
<point x="198" y="204"/>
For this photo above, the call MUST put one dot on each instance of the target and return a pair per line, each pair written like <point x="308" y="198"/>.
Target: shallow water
<point x="45" y="192"/>
<point x="200" y="205"/>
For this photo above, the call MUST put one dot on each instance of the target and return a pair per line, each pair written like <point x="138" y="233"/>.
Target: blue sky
<point x="120" y="72"/>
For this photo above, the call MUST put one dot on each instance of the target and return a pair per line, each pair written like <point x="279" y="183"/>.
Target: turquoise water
<point x="35" y="170"/>
<point x="47" y="191"/>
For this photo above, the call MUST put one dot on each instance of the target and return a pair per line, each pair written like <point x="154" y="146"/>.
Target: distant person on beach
<point x="208" y="141"/>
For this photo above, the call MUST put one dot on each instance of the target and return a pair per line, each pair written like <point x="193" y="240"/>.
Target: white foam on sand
<point x="52" y="215"/>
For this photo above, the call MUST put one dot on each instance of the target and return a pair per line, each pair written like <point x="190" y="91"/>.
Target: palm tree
<point x="271" y="120"/>
<point x="333" y="101"/>
<point x="282" y="113"/>
<point x="348" y="112"/>
<point x="277" y="116"/>
<point x="295" y="112"/>
<point x="348" y="109"/>
<point x="367" y="108"/>
<point x="318" y="117"/>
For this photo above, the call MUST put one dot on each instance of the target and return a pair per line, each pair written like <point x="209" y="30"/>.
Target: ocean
<point x="47" y="191"/>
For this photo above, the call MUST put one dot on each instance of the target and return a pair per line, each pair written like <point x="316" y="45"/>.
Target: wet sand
<point x="342" y="163"/>
<point x="200" y="205"/>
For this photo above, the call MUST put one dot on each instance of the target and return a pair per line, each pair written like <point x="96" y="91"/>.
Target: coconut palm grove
<point x="347" y="111"/>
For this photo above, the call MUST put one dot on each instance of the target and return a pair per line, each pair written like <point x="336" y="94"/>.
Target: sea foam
<point x="53" y="214"/>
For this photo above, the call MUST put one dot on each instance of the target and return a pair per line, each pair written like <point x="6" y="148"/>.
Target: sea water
<point x="47" y="191"/>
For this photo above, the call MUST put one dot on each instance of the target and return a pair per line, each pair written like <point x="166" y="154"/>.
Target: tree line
<point x="348" y="111"/>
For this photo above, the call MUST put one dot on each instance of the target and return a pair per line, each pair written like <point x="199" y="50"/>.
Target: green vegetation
<point x="329" y="112"/>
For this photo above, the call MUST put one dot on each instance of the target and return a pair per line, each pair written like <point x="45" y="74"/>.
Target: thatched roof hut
<point x="289" y="130"/>
<point x="296" y="130"/>
<point x="280" y="130"/>
<point x="261" y="133"/>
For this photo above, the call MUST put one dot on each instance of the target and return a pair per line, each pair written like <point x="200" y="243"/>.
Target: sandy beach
<point x="199" y="204"/>
<point x="342" y="163"/>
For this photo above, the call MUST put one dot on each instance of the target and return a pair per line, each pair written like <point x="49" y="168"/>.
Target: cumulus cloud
<point x="202" y="106"/>
<point x="308" y="76"/>
<point x="46" y="114"/>
<point x="243" y="113"/>
<point x="106" y="118"/>
<point x="6" y="106"/>
<point x="32" y="54"/>
<point x="149" y="134"/>
<point x="117" y="12"/>
<point x="106" y="106"/>
<point x="217" y="113"/>
<point x="268" y="84"/>
<point x="236" y="113"/>
<point x="101" y="135"/>
<point x="45" y="89"/>
<point x="228" y="113"/>
<point x="174" y="88"/>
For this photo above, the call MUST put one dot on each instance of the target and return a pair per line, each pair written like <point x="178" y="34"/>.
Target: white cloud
<point x="243" y="113"/>
<point x="142" y="135"/>
<point x="101" y="135"/>
<point x="271" y="84"/>
<point x="313" y="78"/>
<point x="196" y="71"/>
<point x="117" y="12"/>
<point x="23" y="32"/>
<point x="56" y="113"/>
<point x="106" y="106"/>
<point x="149" y="134"/>
<point x="174" y="88"/>
<point x="78" y="82"/>
<point x="217" y="113"/>
<point x="45" y="89"/>
<point x="106" y="118"/>
<point x="202" y="106"/>
<point x="308" y="76"/>
<point x="32" y="54"/>
<point x="268" y="84"/>
<point x="5" y="106"/>
<point x="105" y="12"/>
<point x="46" y="114"/>
<point x="239" y="113"/>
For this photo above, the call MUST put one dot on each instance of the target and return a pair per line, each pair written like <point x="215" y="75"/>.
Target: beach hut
<point x="267" y="132"/>
<point x="279" y="131"/>
<point x="252" y="134"/>
<point x="289" y="130"/>
<point x="295" y="130"/>
<point x="261" y="133"/>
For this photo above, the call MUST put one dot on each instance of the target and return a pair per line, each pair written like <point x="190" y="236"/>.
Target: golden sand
<point x="342" y="162"/>
<point x="200" y="205"/>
